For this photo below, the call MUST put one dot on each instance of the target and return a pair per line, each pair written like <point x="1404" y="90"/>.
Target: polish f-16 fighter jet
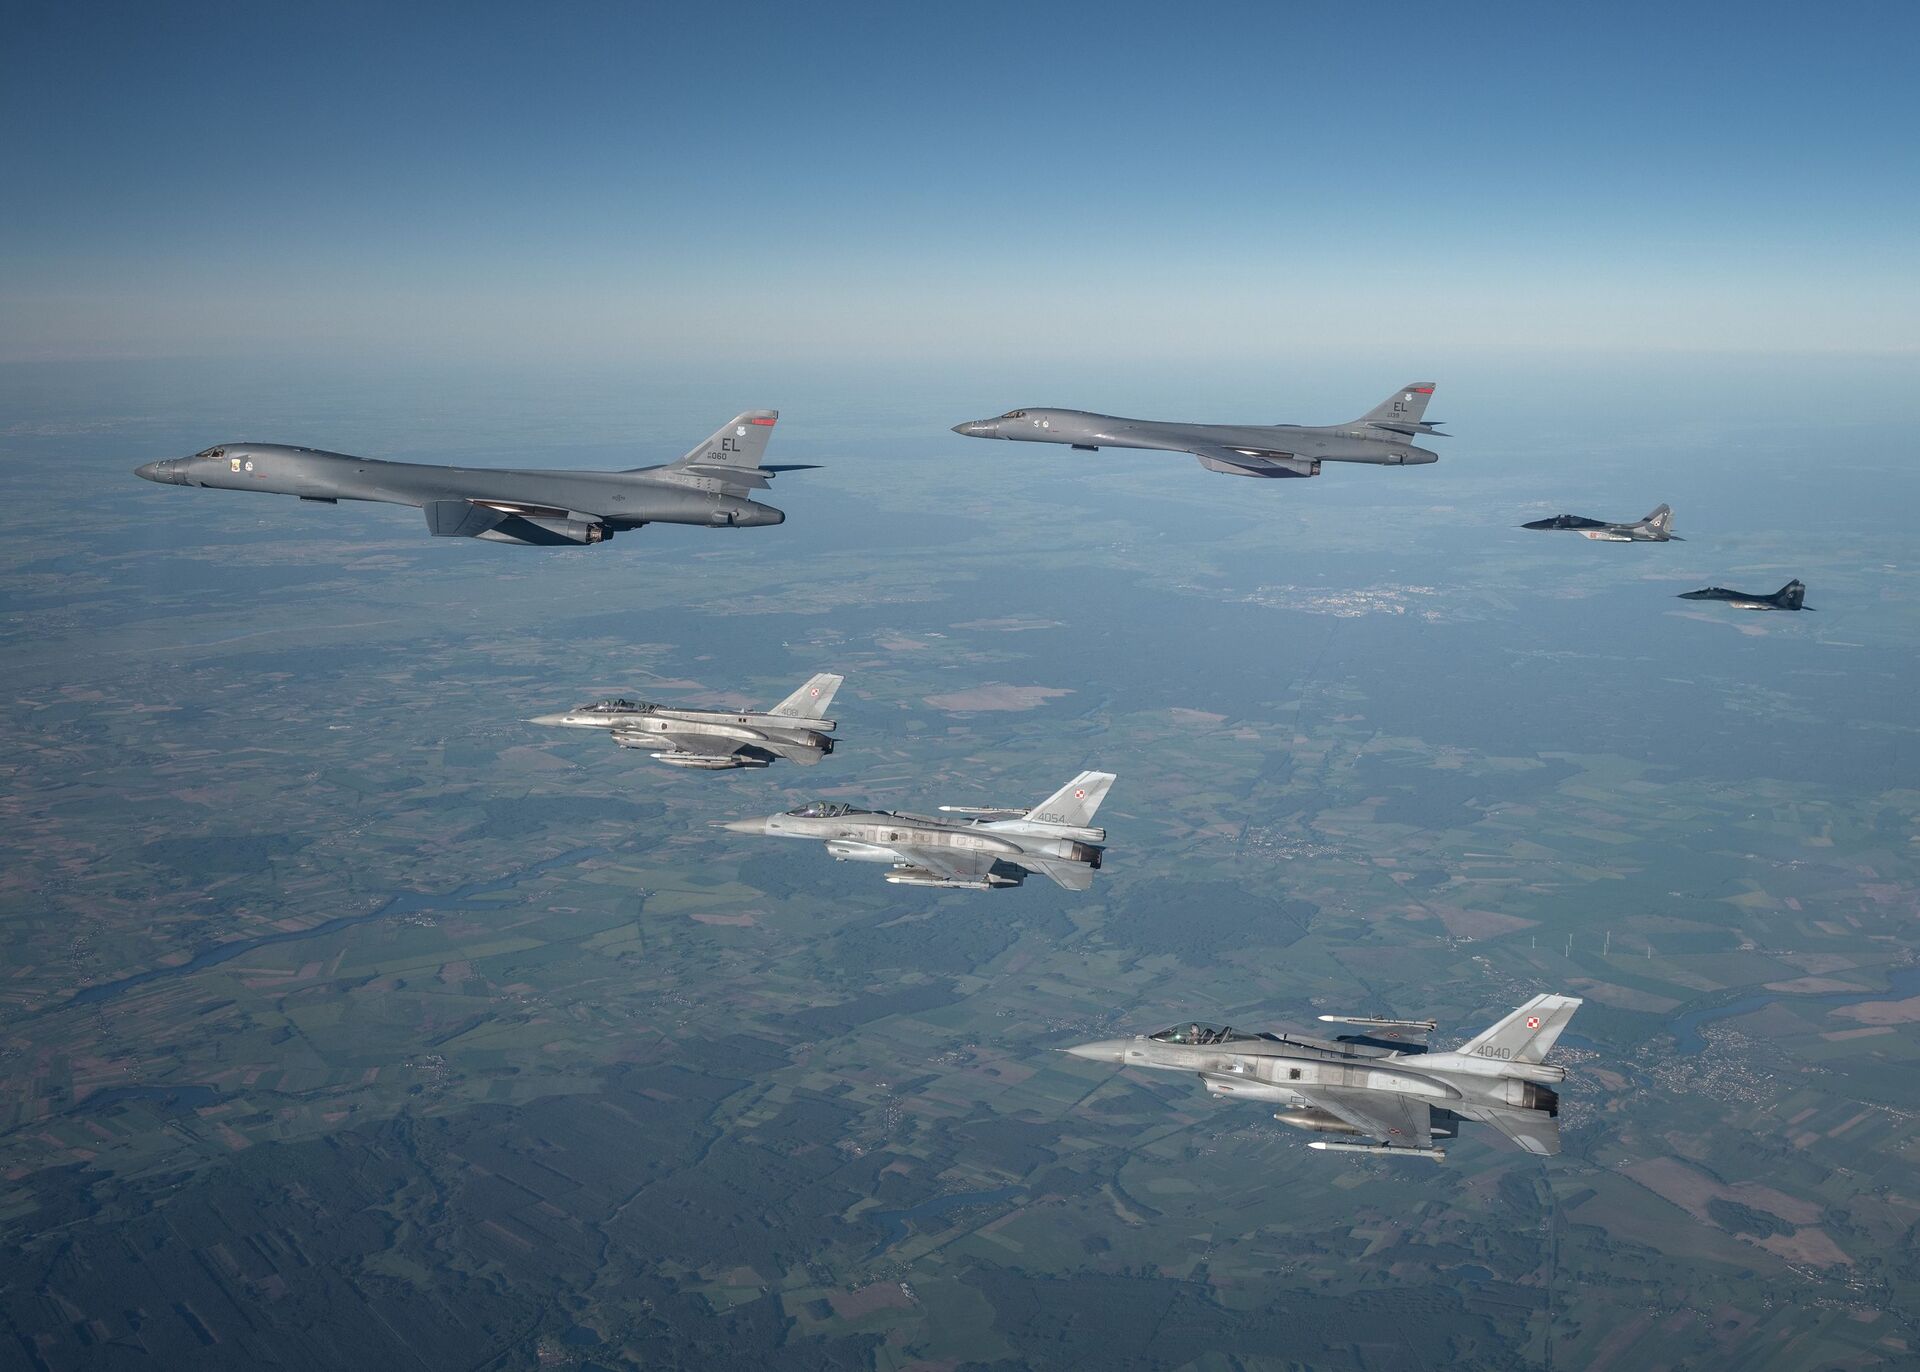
<point x="1383" y="435"/>
<point x="989" y="848"/>
<point x="1791" y="596"/>
<point x="1377" y="1084"/>
<point x="1655" y="528"/>
<point x="714" y="740"/>
<point x="708" y="486"/>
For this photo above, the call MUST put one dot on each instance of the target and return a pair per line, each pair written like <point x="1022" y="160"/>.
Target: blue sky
<point x="640" y="181"/>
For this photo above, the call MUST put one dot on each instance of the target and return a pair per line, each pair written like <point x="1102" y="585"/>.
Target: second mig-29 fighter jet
<point x="1383" y="436"/>
<point x="714" y="740"/>
<point x="504" y="505"/>
<point x="989" y="848"/>
<point x="1655" y="528"/>
<point x="1377" y="1084"/>
<point x="1792" y="596"/>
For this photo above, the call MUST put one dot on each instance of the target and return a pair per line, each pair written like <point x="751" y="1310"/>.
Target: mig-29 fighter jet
<point x="1791" y="596"/>
<point x="708" y="486"/>
<point x="1655" y="528"/>
<point x="1376" y="1084"/>
<point x="991" y="847"/>
<point x="714" y="740"/>
<point x="1383" y="435"/>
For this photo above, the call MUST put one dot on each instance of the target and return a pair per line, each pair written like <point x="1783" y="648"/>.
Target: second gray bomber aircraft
<point x="1383" y="436"/>
<point x="715" y="740"/>
<point x="991" y="847"/>
<point x="506" y="505"/>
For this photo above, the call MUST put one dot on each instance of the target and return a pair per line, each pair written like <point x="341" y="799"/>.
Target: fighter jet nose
<point x="549" y="720"/>
<point x="741" y="826"/>
<point x="1106" y="1050"/>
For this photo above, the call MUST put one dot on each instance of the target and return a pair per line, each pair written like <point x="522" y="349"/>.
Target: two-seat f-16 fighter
<point x="708" y="487"/>
<point x="989" y="848"/>
<point x="1383" y="435"/>
<point x="1377" y="1084"/>
<point x="714" y="740"/>
<point x="1792" y="596"/>
<point x="1655" y="528"/>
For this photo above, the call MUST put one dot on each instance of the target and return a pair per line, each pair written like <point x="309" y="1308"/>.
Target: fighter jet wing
<point x="954" y="864"/>
<point x="1395" y="1119"/>
<point x="1535" y="1131"/>
<point x="1253" y="461"/>
<point x="704" y="744"/>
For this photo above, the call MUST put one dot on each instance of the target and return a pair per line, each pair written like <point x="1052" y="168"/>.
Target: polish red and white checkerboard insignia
<point x="814" y="691"/>
<point x="1079" y="793"/>
<point x="1533" y="1021"/>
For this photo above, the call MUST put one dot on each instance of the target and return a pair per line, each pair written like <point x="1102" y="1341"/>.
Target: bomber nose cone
<point x="974" y="428"/>
<point x="155" y="471"/>
<point x="1105" y="1050"/>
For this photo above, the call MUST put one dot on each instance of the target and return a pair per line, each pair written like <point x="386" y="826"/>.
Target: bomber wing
<point x="1253" y="461"/>
<point x="1402" y="1121"/>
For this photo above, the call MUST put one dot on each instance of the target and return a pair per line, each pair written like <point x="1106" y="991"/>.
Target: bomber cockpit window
<point x="1200" y="1035"/>
<point x="213" y="452"/>
<point x="1014" y="414"/>
<point x="820" y="809"/>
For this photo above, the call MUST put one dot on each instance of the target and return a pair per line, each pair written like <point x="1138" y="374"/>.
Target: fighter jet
<point x="1791" y="596"/>
<point x="990" y="848"/>
<point x="715" y="740"/>
<point x="1382" y="436"/>
<point x="1377" y="1084"/>
<point x="1655" y="528"/>
<point x="505" y="505"/>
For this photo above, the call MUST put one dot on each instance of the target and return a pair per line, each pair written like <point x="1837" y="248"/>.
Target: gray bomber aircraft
<point x="1791" y="596"/>
<point x="1376" y="1084"/>
<point x="989" y="848"/>
<point x="504" y="505"/>
<point x="1383" y="435"/>
<point x="714" y="740"/>
<point x="1655" y="528"/>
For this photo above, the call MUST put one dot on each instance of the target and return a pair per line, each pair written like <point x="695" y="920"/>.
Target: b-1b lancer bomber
<point x="715" y="740"/>
<point x="1655" y="528"/>
<point x="1376" y="1084"/>
<point x="708" y="487"/>
<point x="1792" y="596"/>
<point x="991" y="847"/>
<point x="1383" y="436"/>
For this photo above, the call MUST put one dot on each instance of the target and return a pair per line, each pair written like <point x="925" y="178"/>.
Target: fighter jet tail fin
<point x="1660" y="521"/>
<point x="1793" y="595"/>
<point x="1402" y="411"/>
<point x="1073" y="805"/>
<point x="736" y="446"/>
<point x="812" y="700"/>
<point x="1527" y="1035"/>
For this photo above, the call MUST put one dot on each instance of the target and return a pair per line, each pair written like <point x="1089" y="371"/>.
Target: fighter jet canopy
<point x="615" y="705"/>
<point x="1195" y="1034"/>
<point x="820" y="809"/>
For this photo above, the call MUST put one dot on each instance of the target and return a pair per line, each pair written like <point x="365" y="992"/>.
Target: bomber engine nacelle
<point x="540" y="531"/>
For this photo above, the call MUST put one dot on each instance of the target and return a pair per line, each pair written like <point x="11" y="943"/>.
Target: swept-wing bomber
<point x="1381" y="1084"/>
<point x="1792" y="596"/>
<point x="1383" y="436"/>
<point x="709" y="486"/>
<point x="714" y="740"/>
<point x="1655" y="528"/>
<point x="987" y="847"/>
